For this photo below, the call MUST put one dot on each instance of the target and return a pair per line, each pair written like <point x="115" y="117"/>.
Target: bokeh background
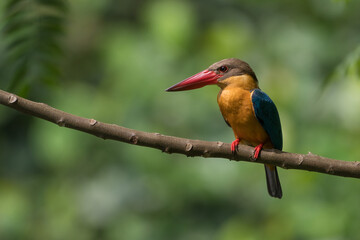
<point x="111" y="61"/>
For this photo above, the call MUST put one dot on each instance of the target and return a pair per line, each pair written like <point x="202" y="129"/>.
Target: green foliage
<point x="348" y="69"/>
<point x="32" y="43"/>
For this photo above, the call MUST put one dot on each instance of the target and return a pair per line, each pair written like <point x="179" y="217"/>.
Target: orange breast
<point x="236" y="107"/>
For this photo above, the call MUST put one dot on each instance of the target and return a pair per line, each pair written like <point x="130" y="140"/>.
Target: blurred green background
<point x="111" y="61"/>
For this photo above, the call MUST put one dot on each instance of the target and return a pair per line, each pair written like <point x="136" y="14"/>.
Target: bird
<point x="248" y="110"/>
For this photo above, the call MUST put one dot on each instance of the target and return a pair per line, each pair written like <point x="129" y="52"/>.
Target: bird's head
<point x="231" y="71"/>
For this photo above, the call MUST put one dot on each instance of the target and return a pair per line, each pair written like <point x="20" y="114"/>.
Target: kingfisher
<point x="250" y="112"/>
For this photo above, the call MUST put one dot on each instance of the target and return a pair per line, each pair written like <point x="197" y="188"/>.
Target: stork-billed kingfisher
<point x="246" y="109"/>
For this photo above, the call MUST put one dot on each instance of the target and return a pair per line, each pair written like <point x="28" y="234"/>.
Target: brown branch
<point x="184" y="146"/>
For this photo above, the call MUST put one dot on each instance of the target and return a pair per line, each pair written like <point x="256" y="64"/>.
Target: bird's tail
<point x="273" y="182"/>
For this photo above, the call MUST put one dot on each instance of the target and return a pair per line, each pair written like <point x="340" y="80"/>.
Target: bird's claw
<point x="234" y="145"/>
<point x="257" y="151"/>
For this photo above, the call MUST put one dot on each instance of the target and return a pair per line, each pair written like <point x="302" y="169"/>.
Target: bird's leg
<point x="257" y="150"/>
<point x="234" y="145"/>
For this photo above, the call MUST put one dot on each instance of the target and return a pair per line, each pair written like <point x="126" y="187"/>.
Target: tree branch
<point x="184" y="146"/>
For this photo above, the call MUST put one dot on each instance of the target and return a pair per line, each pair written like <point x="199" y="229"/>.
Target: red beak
<point x="199" y="80"/>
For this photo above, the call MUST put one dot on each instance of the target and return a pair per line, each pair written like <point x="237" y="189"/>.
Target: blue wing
<point x="268" y="116"/>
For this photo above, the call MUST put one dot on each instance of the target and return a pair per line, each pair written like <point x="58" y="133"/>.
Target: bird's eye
<point x="223" y="69"/>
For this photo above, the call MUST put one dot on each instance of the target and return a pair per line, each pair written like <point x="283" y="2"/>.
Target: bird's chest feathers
<point x="236" y="106"/>
<point x="237" y="109"/>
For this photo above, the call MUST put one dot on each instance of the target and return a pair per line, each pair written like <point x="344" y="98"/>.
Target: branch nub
<point x="61" y="122"/>
<point x="92" y="122"/>
<point x="133" y="139"/>
<point x="12" y="99"/>
<point x="188" y="147"/>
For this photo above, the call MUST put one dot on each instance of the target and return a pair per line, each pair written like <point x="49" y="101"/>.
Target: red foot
<point x="234" y="145"/>
<point x="257" y="150"/>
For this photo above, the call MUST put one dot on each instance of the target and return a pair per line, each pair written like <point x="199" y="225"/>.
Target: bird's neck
<point x="245" y="82"/>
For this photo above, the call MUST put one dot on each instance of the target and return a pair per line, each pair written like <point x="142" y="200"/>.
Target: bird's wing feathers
<point x="268" y="116"/>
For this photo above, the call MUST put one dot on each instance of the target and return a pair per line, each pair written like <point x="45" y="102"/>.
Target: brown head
<point x="223" y="73"/>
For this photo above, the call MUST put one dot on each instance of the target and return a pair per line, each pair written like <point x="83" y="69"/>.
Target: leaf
<point x="31" y="34"/>
<point x="12" y="4"/>
<point x="349" y="67"/>
<point x="20" y="71"/>
<point x="60" y="5"/>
